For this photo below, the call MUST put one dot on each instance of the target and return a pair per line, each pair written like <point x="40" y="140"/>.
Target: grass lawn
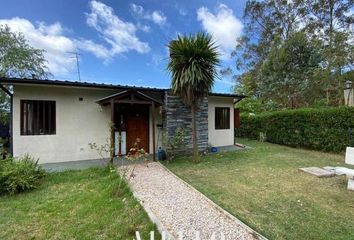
<point x="263" y="188"/>
<point x="82" y="204"/>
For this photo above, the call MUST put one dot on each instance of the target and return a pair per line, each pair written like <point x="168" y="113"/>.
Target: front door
<point x="138" y="128"/>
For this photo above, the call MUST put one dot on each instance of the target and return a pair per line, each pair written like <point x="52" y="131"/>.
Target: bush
<point x="19" y="175"/>
<point x="327" y="129"/>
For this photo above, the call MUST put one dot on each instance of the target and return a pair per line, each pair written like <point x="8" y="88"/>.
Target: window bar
<point x="43" y="118"/>
<point x="37" y="120"/>
<point x="50" y="118"/>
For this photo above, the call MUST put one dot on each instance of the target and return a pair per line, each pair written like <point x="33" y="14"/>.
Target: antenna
<point x="77" y="62"/>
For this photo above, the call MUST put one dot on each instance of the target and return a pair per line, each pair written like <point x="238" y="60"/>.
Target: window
<point x="222" y="118"/>
<point x="37" y="117"/>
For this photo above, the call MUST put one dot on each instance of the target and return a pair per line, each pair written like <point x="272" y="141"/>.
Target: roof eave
<point x="74" y="84"/>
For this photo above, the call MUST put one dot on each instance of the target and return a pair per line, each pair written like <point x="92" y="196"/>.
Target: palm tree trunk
<point x="194" y="135"/>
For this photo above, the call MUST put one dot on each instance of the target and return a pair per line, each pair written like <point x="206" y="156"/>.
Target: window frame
<point x="224" y="124"/>
<point x="46" y="104"/>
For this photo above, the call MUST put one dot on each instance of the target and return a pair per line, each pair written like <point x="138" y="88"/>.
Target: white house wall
<point x="78" y="123"/>
<point x="220" y="137"/>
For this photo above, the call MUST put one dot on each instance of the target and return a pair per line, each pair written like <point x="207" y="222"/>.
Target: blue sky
<point x="122" y="42"/>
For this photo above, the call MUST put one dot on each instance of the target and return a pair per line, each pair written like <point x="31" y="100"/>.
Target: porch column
<point x="153" y="130"/>
<point x="112" y="131"/>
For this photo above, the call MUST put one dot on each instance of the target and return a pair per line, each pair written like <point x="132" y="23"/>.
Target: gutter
<point x="239" y="99"/>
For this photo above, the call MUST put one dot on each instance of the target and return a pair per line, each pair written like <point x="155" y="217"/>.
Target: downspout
<point x="11" y="116"/>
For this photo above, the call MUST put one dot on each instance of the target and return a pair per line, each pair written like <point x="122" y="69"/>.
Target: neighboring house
<point x="56" y="120"/>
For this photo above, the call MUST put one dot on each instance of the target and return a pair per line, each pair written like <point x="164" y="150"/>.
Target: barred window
<point x="222" y="118"/>
<point x="38" y="117"/>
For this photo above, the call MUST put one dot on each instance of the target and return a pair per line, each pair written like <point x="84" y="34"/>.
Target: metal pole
<point x="78" y="66"/>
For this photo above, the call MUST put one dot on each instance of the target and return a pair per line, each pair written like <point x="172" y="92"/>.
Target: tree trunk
<point x="330" y="57"/>
<point x="194" y="135"/>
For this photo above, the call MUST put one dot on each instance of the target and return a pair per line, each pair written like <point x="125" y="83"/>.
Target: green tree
<point x="18" y="59"/>
<point x="192" y="64"/>
<point x="332" y="22"/>
<point x="266" y="23"/>
<point x="288" y="76"/>
<point x="269" y="23"/>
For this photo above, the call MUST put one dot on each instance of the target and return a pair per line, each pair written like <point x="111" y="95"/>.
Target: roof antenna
<point x="76" y="55"/>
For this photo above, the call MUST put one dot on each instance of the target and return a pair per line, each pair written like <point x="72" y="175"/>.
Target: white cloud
<point x="137" y="9"/>
<point x="50" y="38"/>
<point x="96" y="49"/>
<point x="157" y="17"/>
<point x="223" y="26"/>
<point x="181" y="10"/>
<point x="144" y="28"/>
<point x="120" y="35"/>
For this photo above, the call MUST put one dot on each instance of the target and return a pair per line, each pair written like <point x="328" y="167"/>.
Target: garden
<point x="263" y="187"/>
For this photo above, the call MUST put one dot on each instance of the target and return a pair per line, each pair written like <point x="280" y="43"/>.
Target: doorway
<point x="132" y="121"/>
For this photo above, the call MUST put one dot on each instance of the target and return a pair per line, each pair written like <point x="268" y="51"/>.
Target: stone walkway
<point x="179" y="209"/>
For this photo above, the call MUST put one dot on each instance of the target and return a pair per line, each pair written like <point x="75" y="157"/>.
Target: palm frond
<point x="193" y="62"/>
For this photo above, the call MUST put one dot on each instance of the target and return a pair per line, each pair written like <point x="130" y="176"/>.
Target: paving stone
<point x="345" y="171"/>
<point x="318" y="172"/>
<point x="350" y="184"/>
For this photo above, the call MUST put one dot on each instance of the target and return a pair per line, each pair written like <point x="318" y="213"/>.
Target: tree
<point x="331" y="21"/>
<point x="265" y="23"/>
<point x="192" y="64"/>
<point x="18" y="59"/>
<point x="270" y="23"/>
<point x="288" y="75"/>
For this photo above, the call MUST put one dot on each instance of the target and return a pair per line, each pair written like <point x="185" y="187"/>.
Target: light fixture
<point x="99" y="107"/>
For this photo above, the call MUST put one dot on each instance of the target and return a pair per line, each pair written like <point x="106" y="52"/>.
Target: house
<point x="56" y="121"/>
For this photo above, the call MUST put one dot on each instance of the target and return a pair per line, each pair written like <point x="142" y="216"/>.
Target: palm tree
<point x="192" y="64"/>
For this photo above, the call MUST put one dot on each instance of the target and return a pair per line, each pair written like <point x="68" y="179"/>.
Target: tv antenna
<point x="76" y="56"/>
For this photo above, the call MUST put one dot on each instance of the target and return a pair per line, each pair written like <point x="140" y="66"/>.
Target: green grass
<point x="83" y="204"/>
<point x="263" y="188"/>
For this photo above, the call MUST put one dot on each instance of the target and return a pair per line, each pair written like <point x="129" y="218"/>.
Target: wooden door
<point x="138" y="131"/>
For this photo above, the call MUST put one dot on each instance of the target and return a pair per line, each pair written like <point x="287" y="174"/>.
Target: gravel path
<point x="181" y="210"/>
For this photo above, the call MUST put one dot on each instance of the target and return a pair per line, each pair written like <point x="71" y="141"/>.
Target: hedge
<point x="328" y="129"/>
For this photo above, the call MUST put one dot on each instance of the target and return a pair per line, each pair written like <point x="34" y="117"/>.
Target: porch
<point x="134" y="116"/>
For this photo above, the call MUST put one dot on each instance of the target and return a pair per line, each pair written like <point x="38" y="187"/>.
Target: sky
<point x="122" y="42"/>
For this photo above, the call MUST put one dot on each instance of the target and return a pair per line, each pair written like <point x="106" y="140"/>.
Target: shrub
<point x="326" y="129"/>
<point x="19" y="175"/>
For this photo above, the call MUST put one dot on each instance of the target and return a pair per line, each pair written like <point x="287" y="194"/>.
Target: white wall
<point x="78" y="123"/>
<point x="220" y="137"/>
